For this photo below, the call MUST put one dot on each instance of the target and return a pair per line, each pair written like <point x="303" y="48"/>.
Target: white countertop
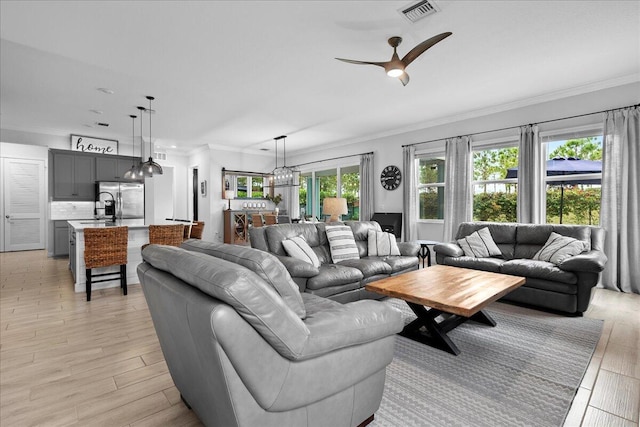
<point x="131" y="223"/>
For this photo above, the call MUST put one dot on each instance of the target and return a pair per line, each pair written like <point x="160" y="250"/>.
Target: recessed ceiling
<point x="236" y="74"/>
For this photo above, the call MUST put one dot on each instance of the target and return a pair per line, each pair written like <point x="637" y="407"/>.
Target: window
<point x="574" y="175"/>
<point x="335" y="182"/>
<point x="431" y="187"/>
<point x="242" y="187"/>
<point x="494" y="195"/>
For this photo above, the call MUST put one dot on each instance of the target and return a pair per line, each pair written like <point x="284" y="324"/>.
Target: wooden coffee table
<point x="460" y="292"/>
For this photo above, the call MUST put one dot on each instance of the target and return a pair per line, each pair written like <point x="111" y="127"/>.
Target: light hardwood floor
<point x="66" y="362"/>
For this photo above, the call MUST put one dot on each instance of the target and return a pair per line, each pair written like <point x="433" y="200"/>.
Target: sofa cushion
<point x="264" y="264"/>
<point x="361" y="234"/>
<point x="277" y="233"/>
<point x="399" y="263"/>
<point x="342" y="243"/>
<point x="256" y="301"/>
<point x="298" y="247"/>
<point x="559" y="248"/>
<point x="503" y="234"/>
<point x="368" y="266"/>
<point x="538" y="269"/>
<point x="479" y="244"/>
<point x="531" y="237"/>
<point x="334" y="275"/>
<point x="484" y="264"/>
<point x="380" y="243"/>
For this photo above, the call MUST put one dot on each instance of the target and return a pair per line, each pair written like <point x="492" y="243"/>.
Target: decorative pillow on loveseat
<point x="297" y="247"/>
<point x="558" y="248"/>
<point x="341" y="243"/>
<point x="479" y="244"/>
<point x="380" y="243"/>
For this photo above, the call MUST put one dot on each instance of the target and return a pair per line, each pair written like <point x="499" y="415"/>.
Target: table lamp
<point x="334" y="206"/>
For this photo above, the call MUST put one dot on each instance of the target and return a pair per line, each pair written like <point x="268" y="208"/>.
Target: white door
<point x="24" y="204"/>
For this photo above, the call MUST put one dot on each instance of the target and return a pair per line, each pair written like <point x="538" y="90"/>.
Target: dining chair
<point x="270" y="219"/>
<point x="256" y="220"/>
<point x="105" y="247"/>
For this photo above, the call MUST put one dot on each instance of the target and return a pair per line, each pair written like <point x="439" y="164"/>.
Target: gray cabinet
<point x="60" y="238"/>
<point x="73" y="176"/>
<point x="113" y="168"/>
<point x="72" y="251"/>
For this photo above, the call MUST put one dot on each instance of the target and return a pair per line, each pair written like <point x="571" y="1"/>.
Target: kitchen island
<point x="138" y="236"/>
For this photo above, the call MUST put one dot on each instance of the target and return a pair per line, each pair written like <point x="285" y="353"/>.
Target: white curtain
<point x="458" y="202"/>
<point x="290" y="197"/>
<point x="620" y="205"/>
<point x="409" y="207"/>
<point x="366" y="187"/>
<point x="531" y="185"/>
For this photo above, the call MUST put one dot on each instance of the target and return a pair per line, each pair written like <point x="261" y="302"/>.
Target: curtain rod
<point x="333" y="158"/>
<point x="513" y="127"/>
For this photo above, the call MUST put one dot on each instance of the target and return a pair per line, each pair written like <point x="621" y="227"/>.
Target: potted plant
<point x="276" y="200"/>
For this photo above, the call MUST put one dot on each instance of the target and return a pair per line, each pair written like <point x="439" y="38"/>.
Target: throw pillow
<point x="381" y="243"/>
<point x="558" y="248"/>
<point x="479" y="244"/>
<point x="297" y="247"/>
<point x="341" y="243"/>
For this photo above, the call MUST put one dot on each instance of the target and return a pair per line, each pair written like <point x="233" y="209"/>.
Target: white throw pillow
<point x="479" y="244"/>
<point x="341" y="243"/>
<point x="558" y="248"/>
<point x="381" y="243"/>
<point x="297" y="247"/>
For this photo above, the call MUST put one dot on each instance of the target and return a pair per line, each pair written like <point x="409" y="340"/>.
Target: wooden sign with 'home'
<point x="87" y="144"/>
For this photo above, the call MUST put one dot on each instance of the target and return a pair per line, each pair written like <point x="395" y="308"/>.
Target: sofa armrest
<point x="349" y="324"/>
<point x="297" y="267"/>
<point x="592" y="261"/>
<point x="409" y="248"/>
<point x="448" y="249"/>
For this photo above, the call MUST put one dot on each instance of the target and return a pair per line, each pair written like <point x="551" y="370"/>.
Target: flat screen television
<point x="389" y="222"/>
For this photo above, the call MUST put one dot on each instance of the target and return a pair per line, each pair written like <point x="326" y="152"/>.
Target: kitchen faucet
<point x="113" y="201"/>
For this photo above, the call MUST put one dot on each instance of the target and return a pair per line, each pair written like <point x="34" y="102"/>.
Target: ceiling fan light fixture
<point x="395" y="72"/>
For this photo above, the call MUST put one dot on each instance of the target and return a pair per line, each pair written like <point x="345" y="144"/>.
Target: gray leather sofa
<point x="341" y="282"/>
<point x="245" y="348"/>
<point x="566" y="287"/>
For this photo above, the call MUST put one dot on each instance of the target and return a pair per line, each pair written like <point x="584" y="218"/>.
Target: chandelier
<point x="283" y="176"/>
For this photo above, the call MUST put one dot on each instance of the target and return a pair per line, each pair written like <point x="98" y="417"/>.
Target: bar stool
<point x="104" y="247"/>
<point x="170" y="234"/>
<point x="196" y="229"/>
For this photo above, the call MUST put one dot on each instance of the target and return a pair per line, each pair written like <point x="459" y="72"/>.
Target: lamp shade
<point x="334" y="206"/>
<point x="229" y="194"/>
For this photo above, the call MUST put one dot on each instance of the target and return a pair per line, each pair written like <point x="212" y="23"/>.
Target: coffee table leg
<point x="483" y="317"/>
<point x="436" y="336"/>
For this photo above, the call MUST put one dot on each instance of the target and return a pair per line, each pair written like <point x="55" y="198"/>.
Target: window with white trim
<point x="495" y="196"/>
<point x="431" y="187"/>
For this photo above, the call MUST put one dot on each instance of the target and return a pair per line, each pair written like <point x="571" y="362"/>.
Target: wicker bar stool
<point x="171" y="234"/>
<point x="104" y="247"/>
<point x="196" y="229"/>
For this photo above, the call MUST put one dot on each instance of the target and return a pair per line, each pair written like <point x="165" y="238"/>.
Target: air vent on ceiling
<point x="160" y="156"/>
<point x="419" y="10"/>
<point x="102" y="124"/>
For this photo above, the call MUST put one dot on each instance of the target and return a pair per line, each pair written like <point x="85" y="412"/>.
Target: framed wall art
<point x="88" y="144"/>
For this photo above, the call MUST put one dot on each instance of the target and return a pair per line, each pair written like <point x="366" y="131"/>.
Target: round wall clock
<point x="390" y="177"/>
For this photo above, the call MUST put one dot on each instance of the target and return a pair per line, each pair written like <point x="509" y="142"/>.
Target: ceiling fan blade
<point x="404" y="78"/>
<point x="420" y="48"/>
<point x="352" y="61"/>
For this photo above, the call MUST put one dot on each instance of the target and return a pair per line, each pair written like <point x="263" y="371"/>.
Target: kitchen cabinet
<point x="113" y="168"/>
<point x="236" y="227"/>
<point x="72" y="250"/>
<point x="73" y="175"/>
<point x="60" y="238"/>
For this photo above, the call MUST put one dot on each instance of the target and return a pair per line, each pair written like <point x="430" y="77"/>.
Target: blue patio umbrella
<point x="567" y="166"/>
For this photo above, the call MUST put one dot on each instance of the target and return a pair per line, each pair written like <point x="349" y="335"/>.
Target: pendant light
<point x="133" y="172"/>
<point x="140" y="168"/>
<point x="282" y="176"/>
<point x="150" y="167"/>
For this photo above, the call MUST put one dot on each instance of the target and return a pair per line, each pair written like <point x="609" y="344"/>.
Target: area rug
<point x="523" y="372"/>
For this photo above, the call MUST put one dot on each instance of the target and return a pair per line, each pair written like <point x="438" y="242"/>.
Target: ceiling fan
<point x="396" y="66"/>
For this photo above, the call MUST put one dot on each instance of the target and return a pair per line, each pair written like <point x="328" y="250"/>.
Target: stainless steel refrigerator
<point x="128" y="198"/>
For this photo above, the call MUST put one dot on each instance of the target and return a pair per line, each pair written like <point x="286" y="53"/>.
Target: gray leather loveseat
<point x="245" y="348"/>
<point x="564" y="287"/>
<point x="341" y="282"/>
